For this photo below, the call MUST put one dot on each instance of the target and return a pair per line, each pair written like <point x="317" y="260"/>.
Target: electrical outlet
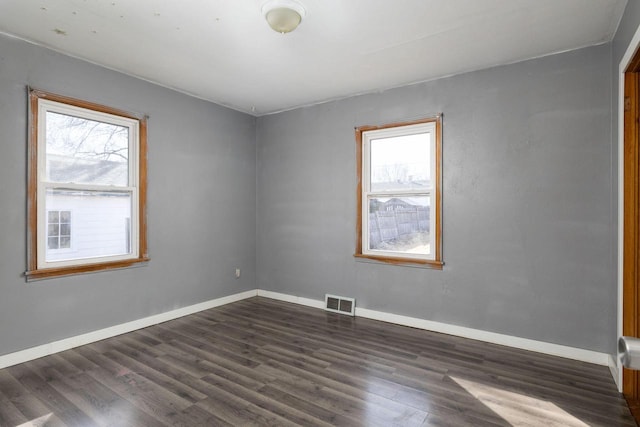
<point x="237" y="273"/>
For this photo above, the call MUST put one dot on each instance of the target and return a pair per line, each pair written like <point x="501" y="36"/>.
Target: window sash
<point x="368" y="138"/>
<point x="366" y="226"/>
<point x="80" y="260"/>
<point x="45" y="106"/>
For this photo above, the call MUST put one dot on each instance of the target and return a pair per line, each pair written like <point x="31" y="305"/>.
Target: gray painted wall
<point x="527" y="201"/>
<point x="201" y="203"/>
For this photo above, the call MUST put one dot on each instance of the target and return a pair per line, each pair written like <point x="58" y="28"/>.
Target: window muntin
<point x="399" y="192"/>
<point x="89" y="160"/>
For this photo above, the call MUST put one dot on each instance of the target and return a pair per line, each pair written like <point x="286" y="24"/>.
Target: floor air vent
<point x="338" y="304"/>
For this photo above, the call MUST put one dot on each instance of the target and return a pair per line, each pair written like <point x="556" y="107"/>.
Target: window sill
<point x="411" y="262"/>
<point x="48" y="273"/>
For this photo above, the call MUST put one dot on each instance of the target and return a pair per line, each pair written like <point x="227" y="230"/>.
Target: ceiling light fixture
<point x="283" y="16"/>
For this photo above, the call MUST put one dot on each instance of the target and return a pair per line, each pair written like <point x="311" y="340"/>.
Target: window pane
<point x="53" y="217"/>
<point x="98" y="223"/>
<point x="65" y="242"/>
<point x="401" y="163"/>
<point x="400" y="224"/>
<point x="53" y="230"/>
<point x="84" y="151"/>
<point x="65" y="217"/>
<point x="65" y="229"/>
<point x="52" y="243"/>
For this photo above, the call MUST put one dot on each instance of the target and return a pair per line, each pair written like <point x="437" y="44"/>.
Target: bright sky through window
<point x="402" y="158"/>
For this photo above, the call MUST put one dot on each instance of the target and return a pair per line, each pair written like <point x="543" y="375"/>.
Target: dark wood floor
<point x="264" y="362"/>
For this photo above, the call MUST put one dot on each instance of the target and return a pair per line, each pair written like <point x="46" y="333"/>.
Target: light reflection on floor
<point x="380" y="411"/>
<point x="38" y="422"/>
<point x="518" y="409"/>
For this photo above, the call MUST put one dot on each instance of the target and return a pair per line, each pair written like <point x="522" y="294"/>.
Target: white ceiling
<point x="224" y="51"/>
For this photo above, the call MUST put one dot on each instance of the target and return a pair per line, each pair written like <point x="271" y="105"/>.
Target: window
<point x="58" y="230"/>
<point x="399" y="192"/>
<point x="87" y="187"/>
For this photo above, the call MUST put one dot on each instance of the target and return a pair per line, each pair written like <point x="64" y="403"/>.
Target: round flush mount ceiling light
<point x="283" y="16"/>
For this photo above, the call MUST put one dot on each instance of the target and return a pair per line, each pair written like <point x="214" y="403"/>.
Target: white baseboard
<point x="476" y="334"/>
<point x="461" y="331"/>
<point x="290" y="298"/>
<point x="490" y="337"/>
<point x="68" y="343"/>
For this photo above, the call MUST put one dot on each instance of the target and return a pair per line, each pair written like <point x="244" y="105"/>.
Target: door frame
<point x="630" y="61"/>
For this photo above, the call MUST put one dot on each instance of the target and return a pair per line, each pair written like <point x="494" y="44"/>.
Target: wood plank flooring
<point x="261" y="362"/>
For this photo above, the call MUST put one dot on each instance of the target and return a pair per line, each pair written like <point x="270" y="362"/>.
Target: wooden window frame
<point x="436" y="262"/>
<point x="34" y="272"/>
